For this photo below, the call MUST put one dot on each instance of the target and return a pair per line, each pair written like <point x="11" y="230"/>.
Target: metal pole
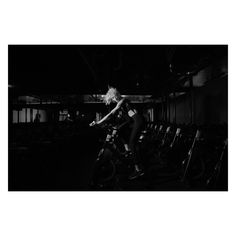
<point x="162" y="108"/>
<point x="166" y="109"/>
<point x="191" y="100"/>
<point x="25" y="115"/>
<point x="174" y="107"/>
<point x="31" y="115"/>
<point x="169" y="102"/>
<point x="18" y="111"/>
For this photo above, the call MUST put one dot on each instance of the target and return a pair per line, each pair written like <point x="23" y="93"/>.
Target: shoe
<point x="136" y="174"/>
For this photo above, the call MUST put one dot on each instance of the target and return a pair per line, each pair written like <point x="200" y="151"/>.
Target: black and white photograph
<point x="118" y="117"/>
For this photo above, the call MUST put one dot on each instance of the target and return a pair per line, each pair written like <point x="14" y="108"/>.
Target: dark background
<point x="187" y="84"/>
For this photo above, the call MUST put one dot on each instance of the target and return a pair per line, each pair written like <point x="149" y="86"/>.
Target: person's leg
<point x="135" y="132"/>
<point x="124" y="135"/>
<point x="137" y="128"/>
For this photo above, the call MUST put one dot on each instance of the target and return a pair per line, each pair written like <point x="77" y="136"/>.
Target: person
<point x="37" y="118"/>
<point x="136" y="120"/>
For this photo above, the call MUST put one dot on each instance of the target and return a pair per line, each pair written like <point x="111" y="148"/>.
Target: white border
<point x="116" y="22"/>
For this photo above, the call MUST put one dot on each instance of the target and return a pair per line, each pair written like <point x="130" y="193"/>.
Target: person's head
<point x="112" y="95"/>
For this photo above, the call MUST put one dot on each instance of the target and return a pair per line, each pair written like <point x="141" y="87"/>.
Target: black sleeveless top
<point x="121" y="116"/>
<point x="126" y="106"/>
<point x="122" y="112"/>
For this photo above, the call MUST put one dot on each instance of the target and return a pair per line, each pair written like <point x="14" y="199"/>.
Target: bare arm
<point x="111" y="112"/>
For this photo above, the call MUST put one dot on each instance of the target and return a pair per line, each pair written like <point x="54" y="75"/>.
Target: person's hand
<point x="93" y="123"/>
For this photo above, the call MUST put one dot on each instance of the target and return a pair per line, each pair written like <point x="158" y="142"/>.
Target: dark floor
<point x="62" y="158"/>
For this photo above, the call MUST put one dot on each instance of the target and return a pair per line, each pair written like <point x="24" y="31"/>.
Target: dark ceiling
<point x="87" y="69"/>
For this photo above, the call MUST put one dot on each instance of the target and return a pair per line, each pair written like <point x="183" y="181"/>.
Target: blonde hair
<point x="111" y="94"/>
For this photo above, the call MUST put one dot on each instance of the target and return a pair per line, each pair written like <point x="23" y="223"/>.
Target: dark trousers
<point x="137" y="126"/>
<point x="131" y="132"/>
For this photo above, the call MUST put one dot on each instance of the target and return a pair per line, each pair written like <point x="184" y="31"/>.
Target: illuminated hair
<point x="111" y="94"/>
